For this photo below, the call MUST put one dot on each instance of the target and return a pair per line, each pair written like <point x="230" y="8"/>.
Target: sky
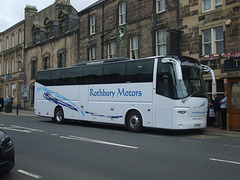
<point x="12" y="11"/>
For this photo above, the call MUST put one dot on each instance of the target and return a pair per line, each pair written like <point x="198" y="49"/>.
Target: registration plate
<point x="197" y="125"/>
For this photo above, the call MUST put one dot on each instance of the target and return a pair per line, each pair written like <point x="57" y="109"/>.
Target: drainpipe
<point x="102" y="37"/>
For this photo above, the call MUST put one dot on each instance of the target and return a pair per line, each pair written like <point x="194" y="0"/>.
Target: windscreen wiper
<point x="185" y="99"/>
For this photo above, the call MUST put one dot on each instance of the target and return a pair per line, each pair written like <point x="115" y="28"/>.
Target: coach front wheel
<point x="134" y="121"/>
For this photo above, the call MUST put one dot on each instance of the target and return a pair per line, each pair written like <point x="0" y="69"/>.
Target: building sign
<point x="8" y="76"/>
<point x="121" y="33"/>
<point x="232" y="64"/>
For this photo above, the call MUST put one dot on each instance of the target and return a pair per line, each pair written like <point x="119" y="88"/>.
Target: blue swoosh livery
<point x="60" y="100"/>
<point x="56" y="98"/>
<point x="201" y="105"/>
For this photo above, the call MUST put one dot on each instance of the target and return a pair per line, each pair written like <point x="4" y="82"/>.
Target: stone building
<point x="58" y="36"/>
<point x="50" y="41"/>
<point x="133" y="28"/>
<point x="211" y="33"/>
<point x="11" y="62"/>
<point x="208" y="30"/>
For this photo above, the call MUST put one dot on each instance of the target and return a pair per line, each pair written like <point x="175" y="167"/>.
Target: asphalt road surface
<point x="79" y="151"/>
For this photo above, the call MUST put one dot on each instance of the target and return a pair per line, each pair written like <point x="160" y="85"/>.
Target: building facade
<point x="50" y="41"/>
<point x="58" y="36"/>
<point x="133" y="28"/>
<point x="211" y="33"/>
<point x="11" y="62"/>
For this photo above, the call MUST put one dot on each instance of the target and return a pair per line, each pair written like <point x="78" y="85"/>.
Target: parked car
<point x="7" y="156"/>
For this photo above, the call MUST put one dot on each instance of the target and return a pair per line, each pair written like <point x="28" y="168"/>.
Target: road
<point x="79" y="151"/>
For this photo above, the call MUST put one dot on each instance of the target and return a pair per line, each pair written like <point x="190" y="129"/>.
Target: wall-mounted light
<point x="228" y="22"/>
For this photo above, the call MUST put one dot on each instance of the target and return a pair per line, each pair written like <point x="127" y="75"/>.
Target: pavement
<point x="207" y="131"/>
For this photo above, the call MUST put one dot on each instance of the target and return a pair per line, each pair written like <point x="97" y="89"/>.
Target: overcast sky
<point x="12" y="11"/>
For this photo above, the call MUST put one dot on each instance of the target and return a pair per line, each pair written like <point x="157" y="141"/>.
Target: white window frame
<point x="134" y="47"/>
<point x="218" y="4"/>
<point x="20" y="63"/>
<point x="7" y="42"/>
<point x="20" y="36"/>
<point x="13" y="40"/>
<point x="161" y="43"/>
<point x="122" y="13"/>
<point x="92" y="54"/>
<point x="7" y="89"/>
<point x="213" y="41"/>
<point x="111" y="50"/>
<point x="13" y="88"/>
<point x="92" y="25"/>
<point x="13" y="65"/>
<point x="160" y="6"/>
<point x="7" y="66"/>
<point x="214" y="4"/>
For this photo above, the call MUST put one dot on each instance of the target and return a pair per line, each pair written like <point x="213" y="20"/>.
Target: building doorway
<point x="233" y="87"/>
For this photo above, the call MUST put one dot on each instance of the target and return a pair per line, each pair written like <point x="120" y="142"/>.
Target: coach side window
<point x="114" y="73"/>
<point x="140" y="71"/>
<point x="92" y="74"/>
<point x="43" y="77"/>
<point x="57" y="77"/>
<point x="74" y="76"/>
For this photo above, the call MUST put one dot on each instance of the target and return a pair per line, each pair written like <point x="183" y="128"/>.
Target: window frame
<point x="33" y="68"/>
<point x="46" y="62"/>
<point x="134" y="41"/>
<point x="213" y="5"/>
<point x="160" y="44"/>
<point x="19" y="36"/>
<point x="92" y="24"/>
<point x="92" y="53"/>
<point x="13" y="40"/>
<point x="13" y="65"/>
<point x="213" y="42"/>
<point x="7" y="43"/>
<point x="122" y="13"/>
<point x="61" y="60"/>
<point x="7" y="66"/>
<point x="111" y="49"/>
<point x="62" y="26"/>
<point x="6" y="90"/>
<point x="20" y="63"/>
<point x="160" y="3"/>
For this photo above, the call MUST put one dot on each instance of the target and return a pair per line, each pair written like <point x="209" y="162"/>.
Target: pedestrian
<point x="6" y="100"/>
<point x="211" y="113"/>
<point x="1" y="103"/>
<point x="217" y="110"/>
<point x="223" y="107"/>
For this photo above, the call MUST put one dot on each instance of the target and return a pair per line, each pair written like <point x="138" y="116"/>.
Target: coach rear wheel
<point x="134" y="121"/>
<point x="59" y="116"/>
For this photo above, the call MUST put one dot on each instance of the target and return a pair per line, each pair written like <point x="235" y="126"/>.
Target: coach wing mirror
<point x="208" y="69"/>
<point x="177" y="66"/>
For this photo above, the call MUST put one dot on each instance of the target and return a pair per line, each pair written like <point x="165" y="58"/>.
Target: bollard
<point x="17" y="110"/>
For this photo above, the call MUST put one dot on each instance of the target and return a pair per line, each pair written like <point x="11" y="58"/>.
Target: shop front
<point x="232" y="67"/>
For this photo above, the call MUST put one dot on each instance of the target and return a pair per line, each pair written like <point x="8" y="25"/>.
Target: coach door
<point x="234" y="103"/>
